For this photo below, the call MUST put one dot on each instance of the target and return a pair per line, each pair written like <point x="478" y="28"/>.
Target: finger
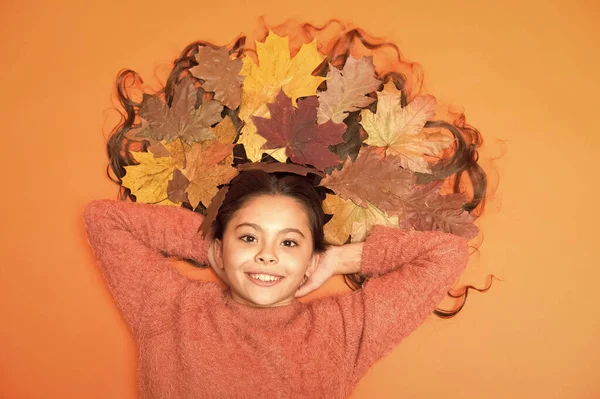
<point x="302" y="290"/>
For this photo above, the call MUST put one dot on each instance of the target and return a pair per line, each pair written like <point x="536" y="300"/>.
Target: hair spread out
<point x="458" y="166"/>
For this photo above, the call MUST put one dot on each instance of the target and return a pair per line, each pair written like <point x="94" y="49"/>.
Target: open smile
<point x="264" y="280"/>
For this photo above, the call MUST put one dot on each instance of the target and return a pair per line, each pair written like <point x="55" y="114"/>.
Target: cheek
<point x="236" y="255"/>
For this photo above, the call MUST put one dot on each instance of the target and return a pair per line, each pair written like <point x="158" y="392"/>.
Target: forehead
<point x="273" y="210"/>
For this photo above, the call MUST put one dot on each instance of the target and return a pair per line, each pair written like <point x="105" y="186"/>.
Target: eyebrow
<point x="257" y="227"/>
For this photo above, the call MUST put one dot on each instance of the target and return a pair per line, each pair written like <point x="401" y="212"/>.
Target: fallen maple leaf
<point x="296" y="130"/>
<point x="352" y="220"/>
<point x="225" y="131"/>
<point x="346" y="89"/>
<point x="425" y="209"/>
<point x="182" y="119"/>
<point x="399" y="131"/>
<point x="220" y="75"/>
<point x="276" y="70"/>
<point x="177" y="186"/>
<point x="204" y="172"/>
<point x="369" y="178"/>
<point x="149" y="179"/>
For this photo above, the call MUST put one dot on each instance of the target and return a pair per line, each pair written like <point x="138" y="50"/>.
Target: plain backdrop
<point x="526" y="73"/>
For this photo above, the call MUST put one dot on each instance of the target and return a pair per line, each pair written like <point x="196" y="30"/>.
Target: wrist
<point x="349" y="258"/>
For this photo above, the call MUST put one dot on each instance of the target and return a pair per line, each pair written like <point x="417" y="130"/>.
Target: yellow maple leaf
<point x="205" y="175"/>
<point x="148" y="181"/>
<point x="351" y="219"/>
<point x="399" y="131"/>
<point x="277" y="70"/>
<point x="225" y="131"/>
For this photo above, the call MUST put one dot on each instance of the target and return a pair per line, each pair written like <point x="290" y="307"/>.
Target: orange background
<point x="525" y="71"/>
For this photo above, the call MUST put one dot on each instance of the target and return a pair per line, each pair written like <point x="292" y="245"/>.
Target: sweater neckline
<point x="276" y="315"/>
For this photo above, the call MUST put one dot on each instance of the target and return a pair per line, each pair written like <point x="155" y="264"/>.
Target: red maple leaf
<point x="297" y="130"/>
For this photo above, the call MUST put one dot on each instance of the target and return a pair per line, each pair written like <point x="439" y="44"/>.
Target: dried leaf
<point x="177" y="186"/>
<point x="276" y="70"/>
<point x="225" y="131"/>
<point x="424" y="208"/>
<point x="297" y="130"/>
<point x="369" y="178"/>
<point x="148" y="181"/>
<point x="350" y="219"/>
<point x="182" y="119"/>
<point x="205" y="174"/>
<point x="346" y="89"/>
<point x="212" y="211"/>
<point x="220" y="75"/>
<point x="399" y="131"/>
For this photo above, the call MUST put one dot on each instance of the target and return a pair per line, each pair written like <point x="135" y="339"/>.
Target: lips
<point x="264" y="283"/>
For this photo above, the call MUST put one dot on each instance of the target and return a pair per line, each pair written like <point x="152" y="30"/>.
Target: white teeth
<point x="264" y="277"/>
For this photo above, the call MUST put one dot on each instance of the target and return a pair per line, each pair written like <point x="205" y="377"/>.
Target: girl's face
<point x="267" y="249"/>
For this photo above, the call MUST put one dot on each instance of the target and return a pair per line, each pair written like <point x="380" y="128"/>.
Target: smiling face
<point x="266" y="250"/>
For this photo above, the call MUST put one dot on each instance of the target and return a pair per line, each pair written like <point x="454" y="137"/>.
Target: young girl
<point x="280" y="172"/>
<point x="255" y="339"/>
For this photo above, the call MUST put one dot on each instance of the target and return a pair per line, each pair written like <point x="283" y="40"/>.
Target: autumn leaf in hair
<point x="346" y="89"/>
<point x="399" y="131"/>
<point x="352" y="220"/>
<point x="182" y="119"/>
<point x="220" y="75"/>
<point x="206" y="168"/>
<point x="297" y="130"/>
<point x="369" y="178"/>
<point x="425" y="208"/>
<point x="276" y="70"/>
<point x="149" y="179"/>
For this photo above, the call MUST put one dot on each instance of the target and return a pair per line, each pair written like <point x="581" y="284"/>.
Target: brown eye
<point x="290" y="243"/>
<point x="247" y="238"/>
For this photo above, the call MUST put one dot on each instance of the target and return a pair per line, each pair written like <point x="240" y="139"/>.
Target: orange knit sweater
<point x="194" y="341"/>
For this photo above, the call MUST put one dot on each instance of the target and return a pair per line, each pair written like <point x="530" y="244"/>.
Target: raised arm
<point x="132" y="242"/>
<point x="410" y="272"/>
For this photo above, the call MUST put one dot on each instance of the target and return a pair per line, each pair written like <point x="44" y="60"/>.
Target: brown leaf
<point x="426" y="209"/>
<point x="369" y="178"/>
<point x="205" y="174"/>
<point x="177" y="186"/>
<point x="297" y="130"/>
<point x="182" y="119"/>
<point x="346" y="89"/>
<point x="220" y="75"/>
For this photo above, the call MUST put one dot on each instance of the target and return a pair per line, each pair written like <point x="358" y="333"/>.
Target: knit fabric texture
<point x="194" y="341"/>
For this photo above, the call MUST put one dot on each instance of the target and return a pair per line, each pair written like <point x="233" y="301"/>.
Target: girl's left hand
<point x="326" y="268"/>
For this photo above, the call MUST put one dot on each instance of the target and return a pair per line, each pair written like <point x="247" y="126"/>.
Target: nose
<point x="266" y="256"/>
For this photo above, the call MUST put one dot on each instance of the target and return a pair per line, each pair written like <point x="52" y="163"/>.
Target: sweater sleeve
<point x="131" y="242"/>
<point x="409" y="273"/>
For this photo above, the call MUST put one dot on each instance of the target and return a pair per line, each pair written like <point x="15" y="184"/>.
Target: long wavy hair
<point x="458" y="166"/>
